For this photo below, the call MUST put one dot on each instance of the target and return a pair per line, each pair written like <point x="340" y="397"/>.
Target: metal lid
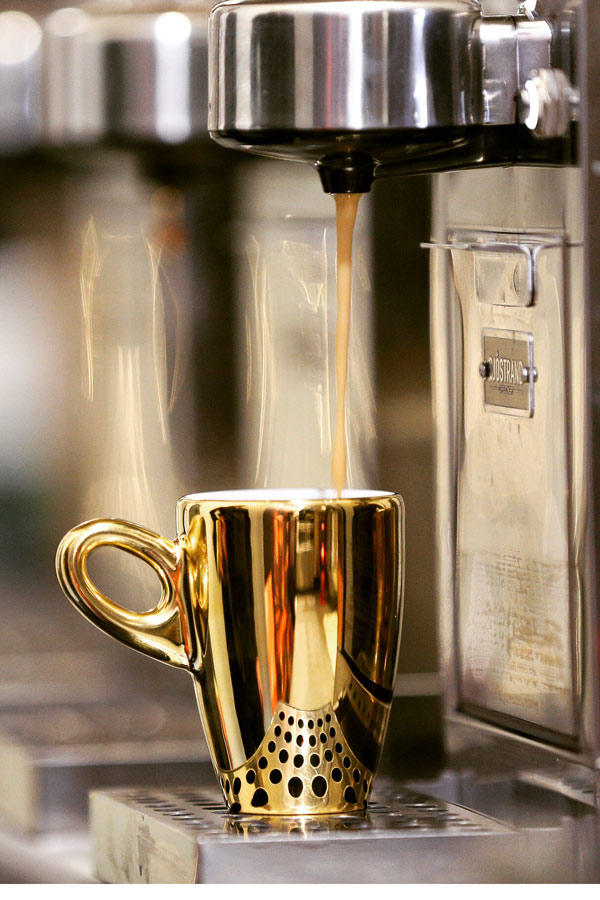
<point x="342" y="65"/>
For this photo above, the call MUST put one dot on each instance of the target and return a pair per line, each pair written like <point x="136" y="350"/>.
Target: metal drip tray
<point x="185" y="835"/>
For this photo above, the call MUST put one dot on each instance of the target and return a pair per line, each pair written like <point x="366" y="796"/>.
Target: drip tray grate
<point x="203" y="811"/>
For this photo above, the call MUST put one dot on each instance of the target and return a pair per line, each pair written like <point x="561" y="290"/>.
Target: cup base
<point x="303" y="766"/>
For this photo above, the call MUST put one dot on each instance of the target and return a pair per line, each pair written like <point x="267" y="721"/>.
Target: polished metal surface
<point x="391" y="86"/>
<point x="119" y="72"/>
<point x="330" y="82"/>
<point x="342" y="66"/>
<point x="408" y="834"/>
<point x="510" y="51"/>
<point x="286" y="608"/>
<point x="586" y="62"/>
<point x="512" y="492"/>
<point x="518" y="604"/>
<point x="513" y="599"/>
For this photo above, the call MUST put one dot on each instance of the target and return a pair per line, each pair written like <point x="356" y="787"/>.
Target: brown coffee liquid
<point x="346" y="206"/>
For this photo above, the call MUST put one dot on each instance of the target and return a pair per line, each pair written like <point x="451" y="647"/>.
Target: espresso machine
<point x="497" y="102"/>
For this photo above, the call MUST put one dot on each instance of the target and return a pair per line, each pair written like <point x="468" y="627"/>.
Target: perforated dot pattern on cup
<point x="292" y="774"/>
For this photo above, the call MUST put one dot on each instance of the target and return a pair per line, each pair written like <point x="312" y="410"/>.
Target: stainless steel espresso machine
<point x="496" y="101"/>
<point x="501" y="109"/>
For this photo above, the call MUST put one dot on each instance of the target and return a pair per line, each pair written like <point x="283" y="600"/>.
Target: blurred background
<point x="168" y="319"/>
<point x="128" y="302"/>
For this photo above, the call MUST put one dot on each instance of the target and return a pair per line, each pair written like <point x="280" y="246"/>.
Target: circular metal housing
<point x="311" y="79"/>
<point x="20" y="81"/>
<point x="118" y="72"/>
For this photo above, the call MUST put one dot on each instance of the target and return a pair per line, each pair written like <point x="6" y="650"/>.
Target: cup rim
<point x="286" y="495"/>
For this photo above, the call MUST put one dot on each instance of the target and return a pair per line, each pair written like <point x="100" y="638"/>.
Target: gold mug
<point x="286" y="608"/>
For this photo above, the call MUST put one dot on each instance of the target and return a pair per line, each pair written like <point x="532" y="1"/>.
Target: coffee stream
<point x="346" y="208"/>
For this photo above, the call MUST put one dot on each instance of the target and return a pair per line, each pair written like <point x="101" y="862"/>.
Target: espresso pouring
<point x="346" y="206"/>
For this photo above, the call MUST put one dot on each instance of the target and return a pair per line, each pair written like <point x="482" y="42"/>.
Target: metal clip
<point x="527" y="8"/>
<point x="490" y="246"/>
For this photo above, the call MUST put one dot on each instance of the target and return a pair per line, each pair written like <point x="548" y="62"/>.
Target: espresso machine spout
<point x="365" y="88"/>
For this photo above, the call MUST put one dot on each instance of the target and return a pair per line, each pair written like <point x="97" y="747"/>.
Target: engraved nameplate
<point x="508" y="372"/>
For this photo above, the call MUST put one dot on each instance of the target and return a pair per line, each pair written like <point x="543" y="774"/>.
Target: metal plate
<point x="513" y="479"/>
<point x="507" y="367"/>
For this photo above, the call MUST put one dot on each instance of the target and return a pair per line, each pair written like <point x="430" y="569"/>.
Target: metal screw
<point x="484" y="369"/>
<point x="529" y="374"/>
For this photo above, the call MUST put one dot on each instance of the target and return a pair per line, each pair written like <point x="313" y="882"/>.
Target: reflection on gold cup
<point x="286" y="608"/>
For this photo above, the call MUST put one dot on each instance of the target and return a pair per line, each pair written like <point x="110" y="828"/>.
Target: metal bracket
<point x="500" y="280"/>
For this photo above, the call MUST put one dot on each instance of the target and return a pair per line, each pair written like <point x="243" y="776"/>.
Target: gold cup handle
<point x="159" y="632"/>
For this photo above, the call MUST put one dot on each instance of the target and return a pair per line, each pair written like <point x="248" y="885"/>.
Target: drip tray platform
<point x="185" y="835"/>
